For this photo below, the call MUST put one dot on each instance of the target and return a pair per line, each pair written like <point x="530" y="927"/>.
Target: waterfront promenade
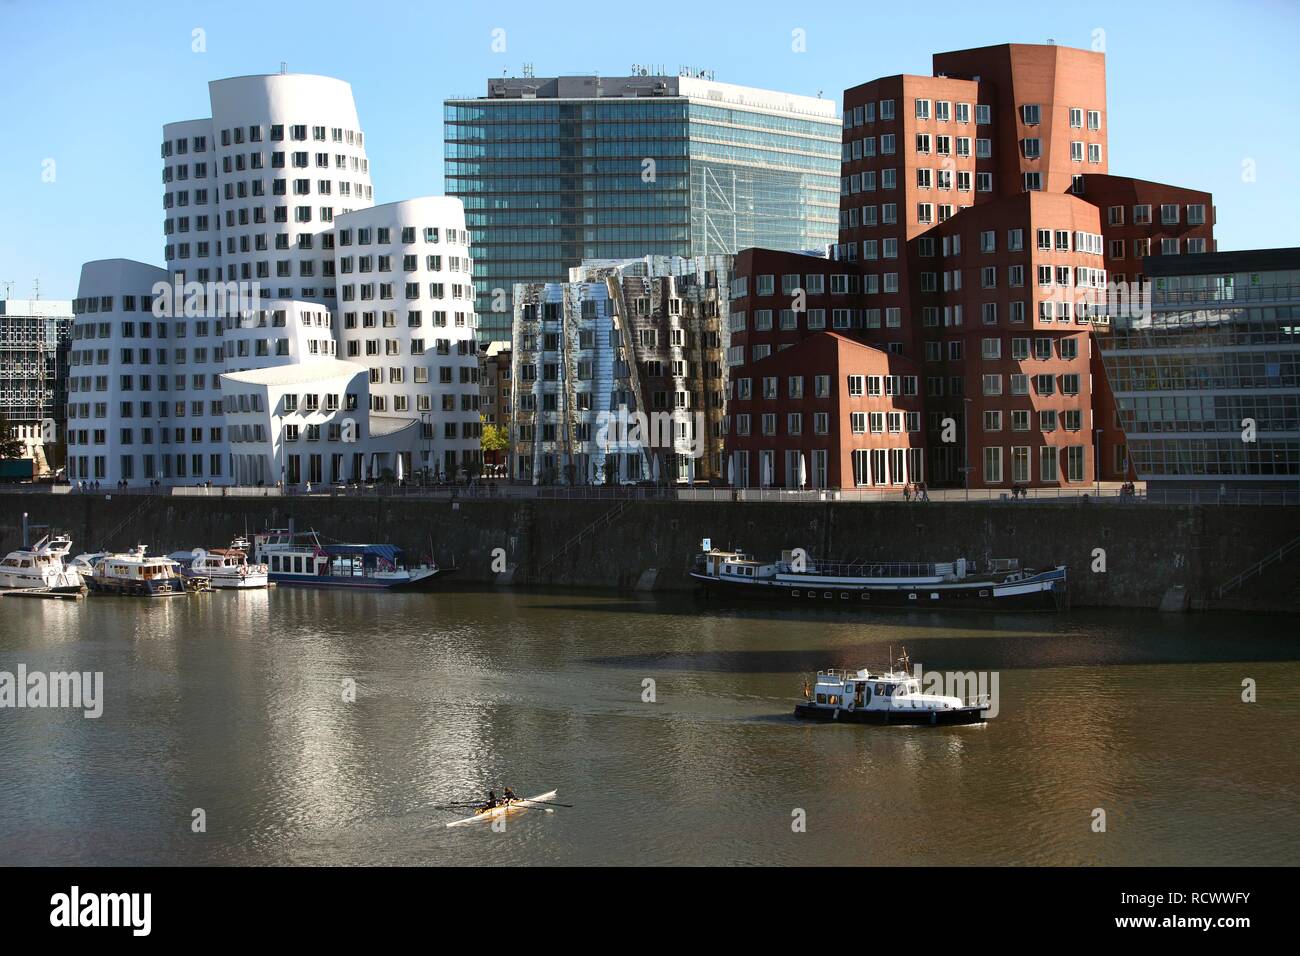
<point x="1121" y="551"/>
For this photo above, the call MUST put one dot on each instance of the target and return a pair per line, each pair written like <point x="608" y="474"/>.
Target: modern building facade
<point x="407" y="313"/>
<point x="35" y="336"/>
<point x="1208" y="385"/>
<point x="978" y="220"/>
<point x="554" y="171"/>
<point x="619" y="375"/>
<point x="279" y="269"/>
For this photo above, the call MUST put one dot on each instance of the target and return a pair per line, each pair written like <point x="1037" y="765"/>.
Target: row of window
<point x="884" y="111"/>
<point x="1170" y="214"/>
<point x="410" y="263"/>
<point x="1049" y="463"/>
<point x="924" y="145"/>
<point x="367" y="291"/>
<point x="181" y="198"/>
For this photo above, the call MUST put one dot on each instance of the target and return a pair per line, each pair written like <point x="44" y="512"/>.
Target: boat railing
<point x="835" y="673"/>
<point x="863" y="569"/>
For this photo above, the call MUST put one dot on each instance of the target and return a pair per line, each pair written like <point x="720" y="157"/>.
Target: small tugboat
<point x="42" y="566"/>
<point x="224" y="568"/>
<point x="132" y="574"/>
<point x="893" y="697"/>
<point x="798" y="579"/>
<point x="302" y="560"/>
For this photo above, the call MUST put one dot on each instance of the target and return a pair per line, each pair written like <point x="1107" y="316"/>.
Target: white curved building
<point x="254" y="199"/>
<point x="251" y="194"/>
<point x="120" y="376"/>
<point x="406" y="311"/>
<point x="306" y="424"/>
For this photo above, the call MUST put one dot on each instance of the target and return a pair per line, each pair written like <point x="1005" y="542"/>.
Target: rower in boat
<point x="492" y="802"/>
<point x="510" y="796"/>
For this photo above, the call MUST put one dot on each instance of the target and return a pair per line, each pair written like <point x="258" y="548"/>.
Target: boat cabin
<point x="134" y="566"/>
<point x="736" y="565"/>
<point x="836" y="688"/>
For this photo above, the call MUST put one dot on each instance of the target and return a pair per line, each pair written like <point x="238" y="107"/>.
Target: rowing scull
<point x="531" y="803"/>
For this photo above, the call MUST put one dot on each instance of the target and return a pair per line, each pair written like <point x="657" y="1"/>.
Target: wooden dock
<point x="45" y="593"/>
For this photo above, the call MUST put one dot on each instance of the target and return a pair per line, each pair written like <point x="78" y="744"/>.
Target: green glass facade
<point x="547" y="183"/>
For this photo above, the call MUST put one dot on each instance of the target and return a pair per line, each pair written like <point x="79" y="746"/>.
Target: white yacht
<point x="132" y="574"/>
<point x="42" y="566"/>
<point x="226" y="568"/>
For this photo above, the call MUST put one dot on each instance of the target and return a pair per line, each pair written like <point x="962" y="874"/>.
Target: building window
<point x="993" y="465"/>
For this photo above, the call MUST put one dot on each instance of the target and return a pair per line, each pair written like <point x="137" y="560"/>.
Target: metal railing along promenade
<point x="1108" y="494"/>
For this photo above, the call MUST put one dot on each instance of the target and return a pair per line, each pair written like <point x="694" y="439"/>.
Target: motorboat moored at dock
<point x="134" y="574"/>
<point x="42" y="566"/>
<point x="302" y="559"/>
<point x="224" y="568"/>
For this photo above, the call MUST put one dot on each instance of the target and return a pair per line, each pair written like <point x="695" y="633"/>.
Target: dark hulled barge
<point x="797" y="579"/>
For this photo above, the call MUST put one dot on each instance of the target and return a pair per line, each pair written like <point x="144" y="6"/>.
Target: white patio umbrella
<point x="767" y="472"/>
<point x="654" y="470"/>
<point x="803" y="471"/>
<point x="731" y="469"/>
<point x="400" y="471"/>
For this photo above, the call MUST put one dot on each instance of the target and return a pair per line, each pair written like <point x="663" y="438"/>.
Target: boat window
<point x="834" y="699"/>
<point x="827" y="595"/>
<point x="984" y="593"/>
<point x="794" y="593"/>
<point x="821" y="698"/>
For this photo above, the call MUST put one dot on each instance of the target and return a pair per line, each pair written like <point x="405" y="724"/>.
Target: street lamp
<point x="965" y="446"/>
<point x="1096" y="465"/>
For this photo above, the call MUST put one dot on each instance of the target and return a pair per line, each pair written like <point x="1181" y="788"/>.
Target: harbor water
<point x="325" y="727"/>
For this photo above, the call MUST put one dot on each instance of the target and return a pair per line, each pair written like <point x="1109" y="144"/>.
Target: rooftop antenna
<point x="7" y="285"/>
<point x="36" y="288"/>
<point x="1052" y="40"/>
<point x="284" y="67"/>
<point x="528" y="69"/>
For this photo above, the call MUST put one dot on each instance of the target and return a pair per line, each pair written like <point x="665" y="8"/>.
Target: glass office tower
<point x="554" y="171"/>
<point x="1208" y="384"/>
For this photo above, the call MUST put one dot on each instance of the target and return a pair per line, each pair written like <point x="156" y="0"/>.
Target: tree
<point x="495" y="438"/>
<point x="10" y="445"/>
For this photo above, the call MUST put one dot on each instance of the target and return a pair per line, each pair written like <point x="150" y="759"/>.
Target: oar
<point x="545" y="803"/>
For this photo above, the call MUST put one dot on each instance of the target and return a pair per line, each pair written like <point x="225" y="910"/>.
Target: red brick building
<point x="977" y="219"/>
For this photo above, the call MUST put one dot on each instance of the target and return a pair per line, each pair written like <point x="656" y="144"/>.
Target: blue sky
<point x="1195" y="89"/>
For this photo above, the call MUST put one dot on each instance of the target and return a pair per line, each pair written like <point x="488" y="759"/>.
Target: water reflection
<point x="234" y="703"/>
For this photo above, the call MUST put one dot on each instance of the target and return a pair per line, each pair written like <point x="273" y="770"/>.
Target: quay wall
<point x="1147" y="550"/>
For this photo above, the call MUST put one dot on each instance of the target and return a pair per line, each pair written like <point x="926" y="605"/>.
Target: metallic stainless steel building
<point x="555" y="171"/>
<point x="1208" y="385"/>
<point x="619" y="374"/>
